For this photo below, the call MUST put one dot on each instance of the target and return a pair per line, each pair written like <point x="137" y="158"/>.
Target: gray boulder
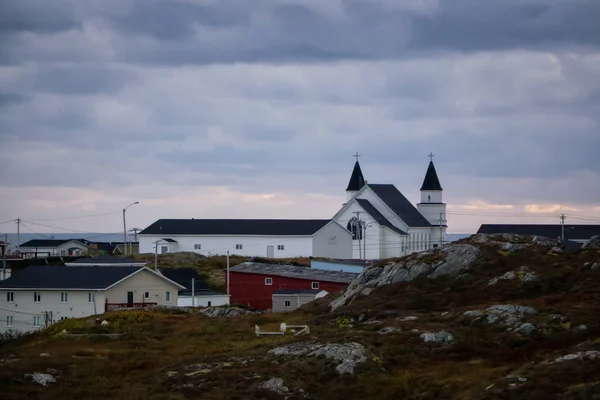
<point x="348" y="355"/>
<point x="440" y="337"/>
<point x="527" y="329"/>
<point x="450" y="260"/>
<point x="592" y="243"/>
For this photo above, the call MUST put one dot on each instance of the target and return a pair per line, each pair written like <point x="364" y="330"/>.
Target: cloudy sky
<point x="253" y="108"/>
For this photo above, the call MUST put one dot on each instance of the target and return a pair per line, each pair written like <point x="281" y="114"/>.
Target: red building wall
<point x="250" y="289"/>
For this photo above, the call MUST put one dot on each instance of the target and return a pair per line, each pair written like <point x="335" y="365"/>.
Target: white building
<point x="41" y="295"/>
<point x="272" y="238"/>
<point x="385" y="224"/>
<point x="44" y="248"/>
<point x="376" y="222"/>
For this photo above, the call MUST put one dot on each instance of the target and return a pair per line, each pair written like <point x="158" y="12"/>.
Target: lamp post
<point x="125" y="227"/>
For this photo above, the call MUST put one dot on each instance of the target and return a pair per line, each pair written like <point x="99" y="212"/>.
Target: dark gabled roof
<point x="551" y="231"/>
<point x="298" y="291"/>
<point x="48" y="277"/>
<point x="184" y="276"/>
<point x="51" y="242"/>
<point x="290" y="271"/>
<point x="105" y="260"/>
<point x="431" y="181"/>
<point x="274" y="227"/>
<point x="169" y="240"/>
<point x="377" y="216"/>
<point x="399" y="204"/>
<point x="357" y="180"/>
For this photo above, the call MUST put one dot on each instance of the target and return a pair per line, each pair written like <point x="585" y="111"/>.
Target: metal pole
<point x="156" y="256"/>
<point x="124" y="233"/>
<point x="193" y="293"/>
<point x="562" y="228"/>
<point x="4" y="248"/>
<point x="18" y="235"/>
<point x="227" y="271"/>
<point x="365" y="239"/>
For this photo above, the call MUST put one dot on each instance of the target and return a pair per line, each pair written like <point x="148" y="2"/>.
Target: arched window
<point x="354" y="228"/>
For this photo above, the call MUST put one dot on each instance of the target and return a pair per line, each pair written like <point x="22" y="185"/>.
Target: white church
<point x="375" y="222"/>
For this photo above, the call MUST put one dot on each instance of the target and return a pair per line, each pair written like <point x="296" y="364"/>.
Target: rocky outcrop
<point x="348" y="355"/>
<point x="440" y="337"/>
<point x="523" y="274"/>
<point x="450" y="260"/>
<point x="511" y="242"/>
<point x="508" y="315"/>
<point x="41" y="379"/>
<point x="592" y="243"/>
<point x="215" y="312"/>
<point x="582" y="355"/>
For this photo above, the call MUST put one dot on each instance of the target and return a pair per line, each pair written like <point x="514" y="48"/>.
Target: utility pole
<point x="442" y="229"/>
<point x="193" y="293"/>
<point x="358" y="231"/>
<point x="125" y="226"/>
<point x="135" y="238"/>
<point x="228" y="272"/>
<point x="18" y="235"/>
<point x="4" y="248"/>
<point x="562" y="227"/>
<point x="156" y="256"/>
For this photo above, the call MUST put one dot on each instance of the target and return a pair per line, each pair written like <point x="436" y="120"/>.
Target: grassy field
<point x="179" y="355"/>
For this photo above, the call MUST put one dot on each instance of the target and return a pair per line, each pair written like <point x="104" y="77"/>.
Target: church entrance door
<point x="270" y="251"/>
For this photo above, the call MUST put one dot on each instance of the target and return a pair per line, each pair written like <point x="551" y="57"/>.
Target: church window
<point x="429" y="198"/>
<point x="354" y="226"/>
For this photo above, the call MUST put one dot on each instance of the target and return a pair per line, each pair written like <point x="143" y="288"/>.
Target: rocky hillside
<point x="488" y="317"/>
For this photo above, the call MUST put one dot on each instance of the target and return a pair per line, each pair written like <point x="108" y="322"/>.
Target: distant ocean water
<point x="115" y="237"/>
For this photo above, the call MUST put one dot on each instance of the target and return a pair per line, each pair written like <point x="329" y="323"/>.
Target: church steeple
<point x="357" y="180"/>
<point x="431" y="181"/>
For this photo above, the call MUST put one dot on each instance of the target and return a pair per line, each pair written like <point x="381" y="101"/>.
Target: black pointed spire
<point x="357" y="180"/>
<point x="431" y="181"/>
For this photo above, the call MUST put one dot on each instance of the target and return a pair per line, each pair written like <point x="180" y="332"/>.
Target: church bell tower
<point x="432" y="206"/>
<point x="357" y="180"/>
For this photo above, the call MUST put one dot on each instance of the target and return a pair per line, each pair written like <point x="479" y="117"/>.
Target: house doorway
<point x="130" y="298"/>
<point x="270" y="251"/>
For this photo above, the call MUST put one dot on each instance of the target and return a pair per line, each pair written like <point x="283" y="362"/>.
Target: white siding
<point x="202" y="301"/>
<point x="53" y="251"/>
<point x="332" y="241"/>
<point x="23" y="309"/>
<point x="252" y="246"/>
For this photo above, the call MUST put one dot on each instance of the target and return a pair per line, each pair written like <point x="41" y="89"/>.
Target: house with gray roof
<point x="286" y="300"/>
<point x="253" y="284"/>
<point x="41" y="295"/>
<point x="270" y="238"/>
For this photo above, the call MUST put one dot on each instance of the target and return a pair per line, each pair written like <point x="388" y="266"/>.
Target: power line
<point x="76" y="217"/>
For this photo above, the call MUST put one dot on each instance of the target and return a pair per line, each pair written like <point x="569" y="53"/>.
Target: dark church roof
<point x="431" y="181"/>
<point x="274" y="227"/>
<point x="399" y="205"/>
<point x="357" y="180"/>
<point x="377" y="216"/>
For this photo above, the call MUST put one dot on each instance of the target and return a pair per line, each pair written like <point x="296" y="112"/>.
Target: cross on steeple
<point x="356" y="155"/>
<point x="431" y="155"/>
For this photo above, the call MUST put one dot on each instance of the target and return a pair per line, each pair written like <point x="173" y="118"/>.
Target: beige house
<point x="41" y="295"/>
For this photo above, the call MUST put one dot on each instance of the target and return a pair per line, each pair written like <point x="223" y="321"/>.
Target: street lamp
<point x="125" y="227"/>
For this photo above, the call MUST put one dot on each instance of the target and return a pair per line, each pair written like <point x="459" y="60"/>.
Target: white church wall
<point x="431" y="196"/>
<point x="419" y="240"/>
<point x="332" y="241"/>
<point x="392" y="244"/>
<point x="251" y="246"/>
<point x="373" y="240"/>
<point x="432" y="212"/>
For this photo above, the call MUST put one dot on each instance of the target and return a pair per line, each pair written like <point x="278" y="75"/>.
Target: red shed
<point x="253" y="284"/>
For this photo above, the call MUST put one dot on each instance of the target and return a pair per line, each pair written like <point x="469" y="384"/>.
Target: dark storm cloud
<point x="78" y="80"/>
<point x="38" y="16"/>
